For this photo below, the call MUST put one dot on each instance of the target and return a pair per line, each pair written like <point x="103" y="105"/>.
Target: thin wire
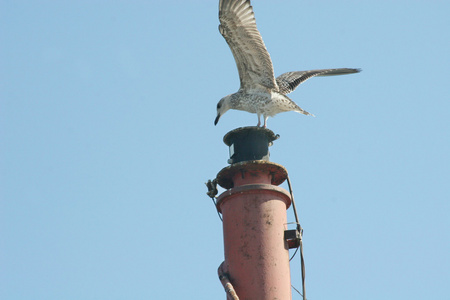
<point x="300" y="230"/>
<point x="293" y="202"/>
<point x="296" y="290"/>
<point x="212" y="192"/>
<point x="215" y="205"/>
<point x="296" y="249"/>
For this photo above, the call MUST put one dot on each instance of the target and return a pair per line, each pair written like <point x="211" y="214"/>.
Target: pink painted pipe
<point x="254" y="221"/>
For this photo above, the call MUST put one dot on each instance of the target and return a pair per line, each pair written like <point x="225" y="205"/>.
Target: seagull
<point x="260" y="92"/>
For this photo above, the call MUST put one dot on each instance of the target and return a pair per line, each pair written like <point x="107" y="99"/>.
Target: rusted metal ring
<point x="255" y="188"/>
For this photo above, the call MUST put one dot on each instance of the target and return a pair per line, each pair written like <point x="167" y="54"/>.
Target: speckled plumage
<point x="260" y="91"/>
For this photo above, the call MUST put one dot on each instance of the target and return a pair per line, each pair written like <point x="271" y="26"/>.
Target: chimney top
<point x="249" y="143"/>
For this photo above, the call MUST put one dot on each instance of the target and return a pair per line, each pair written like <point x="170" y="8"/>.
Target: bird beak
<point x="217" y="119"/>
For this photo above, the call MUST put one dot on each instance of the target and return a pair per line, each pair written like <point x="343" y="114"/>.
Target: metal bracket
<point x="292" y="237"/>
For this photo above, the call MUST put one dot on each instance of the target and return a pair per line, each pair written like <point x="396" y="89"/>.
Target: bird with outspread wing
<point x="260" y="92"/>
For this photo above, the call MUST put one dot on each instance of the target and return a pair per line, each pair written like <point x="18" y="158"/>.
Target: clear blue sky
<point x="107" y="138"/>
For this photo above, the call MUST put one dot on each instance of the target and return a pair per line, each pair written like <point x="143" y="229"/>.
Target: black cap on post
<point x="249" y="143"/>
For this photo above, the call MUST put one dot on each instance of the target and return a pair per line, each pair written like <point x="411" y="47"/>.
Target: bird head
<point x="222" y="107"/>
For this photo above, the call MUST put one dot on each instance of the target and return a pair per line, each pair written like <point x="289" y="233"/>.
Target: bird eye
<point x="218" y="105"/>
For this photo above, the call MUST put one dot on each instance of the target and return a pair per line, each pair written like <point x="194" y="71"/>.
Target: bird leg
<point x="265" y="121"/>
<point x="259" y="121"/>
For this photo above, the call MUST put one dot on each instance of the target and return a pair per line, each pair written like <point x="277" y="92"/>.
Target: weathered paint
<point x="254" y="221"/>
